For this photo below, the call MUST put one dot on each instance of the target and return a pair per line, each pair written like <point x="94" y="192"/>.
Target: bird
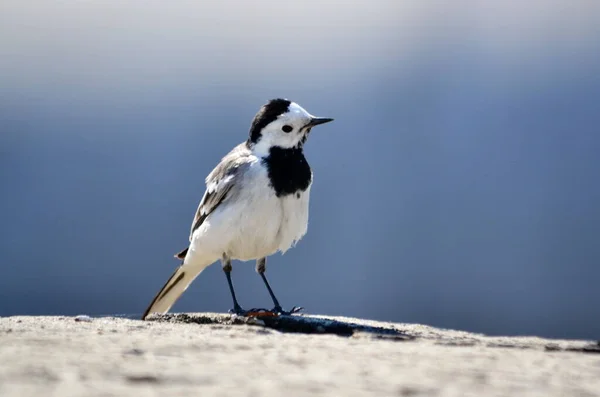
<point x="255" y="204"/>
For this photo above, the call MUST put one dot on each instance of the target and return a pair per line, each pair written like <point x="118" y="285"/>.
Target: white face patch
<point x="287" y="131"/>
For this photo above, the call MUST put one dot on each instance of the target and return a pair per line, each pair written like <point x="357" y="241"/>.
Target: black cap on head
<point x="267" y="113"/>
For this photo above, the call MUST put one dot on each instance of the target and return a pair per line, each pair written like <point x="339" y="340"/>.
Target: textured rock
<point x="214" y="354"/>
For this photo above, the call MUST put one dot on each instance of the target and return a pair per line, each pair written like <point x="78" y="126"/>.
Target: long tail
<point x="173" y="289"/>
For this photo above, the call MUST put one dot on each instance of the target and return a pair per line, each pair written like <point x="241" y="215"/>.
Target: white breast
<point x="254" y="222"/>
<point x="245" y="226"/>
<point x="294" y="223"/>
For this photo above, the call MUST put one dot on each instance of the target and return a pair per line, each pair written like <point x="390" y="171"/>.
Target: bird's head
<point x="281" y="123"/>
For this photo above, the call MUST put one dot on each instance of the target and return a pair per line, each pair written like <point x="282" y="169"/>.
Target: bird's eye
<point x="287" y="128"/>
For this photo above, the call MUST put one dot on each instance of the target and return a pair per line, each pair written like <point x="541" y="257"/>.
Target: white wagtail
<point x="255" y="204"/>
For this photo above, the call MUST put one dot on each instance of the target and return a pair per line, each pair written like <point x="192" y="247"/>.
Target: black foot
<point x="259" y="311"/>
<point x="251" y="312"/>
<point x="280" y="311"/>
<point x="237" y="309"/>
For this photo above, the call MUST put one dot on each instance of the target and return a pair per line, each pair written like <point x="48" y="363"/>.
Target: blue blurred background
<point x="458" y="187"/>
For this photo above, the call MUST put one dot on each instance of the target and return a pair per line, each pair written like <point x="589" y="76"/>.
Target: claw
<point x="254" y="312"/>
<point x="282" y="312"/>
<point x="261" y="312"/>
<point x="237" y="310"/>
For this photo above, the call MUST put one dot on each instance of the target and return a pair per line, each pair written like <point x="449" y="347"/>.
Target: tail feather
<point x="172" y="290"/>
<point x="181" y="255"/>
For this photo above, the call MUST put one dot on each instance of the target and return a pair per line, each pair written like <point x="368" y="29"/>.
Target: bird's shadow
<point x="286" y="323"/>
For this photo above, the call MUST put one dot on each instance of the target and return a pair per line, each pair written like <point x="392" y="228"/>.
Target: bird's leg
<point x="261" y="267"/>
<point x="226" y="262"/>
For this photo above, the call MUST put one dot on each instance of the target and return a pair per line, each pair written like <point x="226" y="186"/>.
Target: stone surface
<point x="210" y="354"/>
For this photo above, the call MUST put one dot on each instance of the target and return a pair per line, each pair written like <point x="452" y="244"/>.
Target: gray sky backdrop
<point x="458" y="187"/>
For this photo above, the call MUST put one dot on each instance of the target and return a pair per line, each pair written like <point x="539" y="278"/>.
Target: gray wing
<point x="219" y="183"/>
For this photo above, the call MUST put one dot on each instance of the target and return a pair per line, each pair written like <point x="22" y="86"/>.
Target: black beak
<point x="318" y="120"/>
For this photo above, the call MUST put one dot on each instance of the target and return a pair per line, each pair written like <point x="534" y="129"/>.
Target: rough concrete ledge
<point x="348" y="327"/>
<point x="293" y="324"/>
<point x="211" y="354"/>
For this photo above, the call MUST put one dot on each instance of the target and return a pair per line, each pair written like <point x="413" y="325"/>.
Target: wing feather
<point x="220" y="182"/>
